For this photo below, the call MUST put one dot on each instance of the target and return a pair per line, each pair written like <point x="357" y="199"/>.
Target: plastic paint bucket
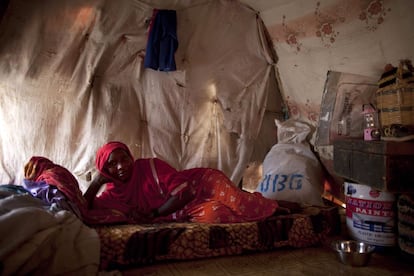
<point x="370" y="215"/>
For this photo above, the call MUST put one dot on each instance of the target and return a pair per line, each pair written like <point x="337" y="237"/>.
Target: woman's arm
<point x="174" y="203"/>
<point x="93" y="189"/>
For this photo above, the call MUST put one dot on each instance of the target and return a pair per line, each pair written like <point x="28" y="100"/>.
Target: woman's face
<point x="119" y="165"/>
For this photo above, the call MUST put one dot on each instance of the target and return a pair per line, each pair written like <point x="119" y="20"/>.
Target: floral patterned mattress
<point x="134" y="245"/>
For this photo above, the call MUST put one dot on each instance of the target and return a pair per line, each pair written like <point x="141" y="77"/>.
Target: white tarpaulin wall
<point x="72" y="78"/>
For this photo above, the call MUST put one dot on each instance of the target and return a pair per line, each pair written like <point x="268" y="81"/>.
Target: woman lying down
<point x="150" y="190"/>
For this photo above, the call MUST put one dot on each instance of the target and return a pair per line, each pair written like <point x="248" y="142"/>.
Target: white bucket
<point x="370" y="215"/>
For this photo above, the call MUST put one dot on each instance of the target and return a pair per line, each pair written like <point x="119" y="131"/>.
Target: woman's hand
<point x="99" y="180"/>
<point x="176" y="202"/>
<point x="93" y="188"/>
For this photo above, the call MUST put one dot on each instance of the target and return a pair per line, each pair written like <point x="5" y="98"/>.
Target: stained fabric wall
<point x="312" y="37"/>
<point x="72" y="78"/>
<point x="350" y="36"/>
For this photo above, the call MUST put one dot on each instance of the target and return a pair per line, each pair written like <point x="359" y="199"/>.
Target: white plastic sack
<point x="291" y="170"/>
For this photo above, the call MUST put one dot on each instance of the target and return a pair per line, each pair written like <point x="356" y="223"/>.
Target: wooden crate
<point x="383" y="165"/>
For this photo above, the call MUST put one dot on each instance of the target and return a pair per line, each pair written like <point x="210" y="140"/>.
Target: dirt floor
<point x="309" y="261"/>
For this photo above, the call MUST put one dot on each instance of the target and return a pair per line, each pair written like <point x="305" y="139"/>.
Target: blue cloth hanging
<point x="162" y="41"/>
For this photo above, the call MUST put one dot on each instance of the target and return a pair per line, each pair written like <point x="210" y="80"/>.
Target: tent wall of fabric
<point x="72" y="78"/>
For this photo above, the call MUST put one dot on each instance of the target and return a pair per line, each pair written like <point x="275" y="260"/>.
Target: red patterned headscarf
<point x="42" y="169"/>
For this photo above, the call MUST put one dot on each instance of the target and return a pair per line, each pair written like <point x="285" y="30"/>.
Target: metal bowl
<point x="354" y="253"/>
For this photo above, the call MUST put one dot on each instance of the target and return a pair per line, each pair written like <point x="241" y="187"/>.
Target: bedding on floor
<point x="39" y="239"/>
<point x="135" y="245"/>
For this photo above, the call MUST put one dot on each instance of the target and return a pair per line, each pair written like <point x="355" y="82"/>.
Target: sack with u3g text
<point x="291" y="170"/>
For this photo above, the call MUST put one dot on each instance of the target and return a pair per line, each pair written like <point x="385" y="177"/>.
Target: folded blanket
<point x="36" y="241"/>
